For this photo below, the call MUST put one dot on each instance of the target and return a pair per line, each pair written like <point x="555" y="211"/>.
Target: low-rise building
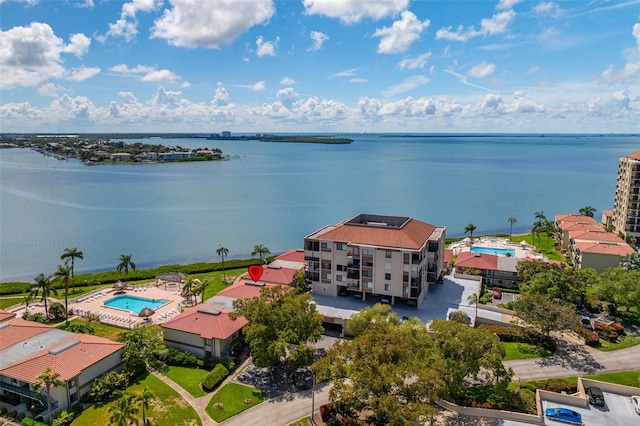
<point x="496" y="271"/>
<point x="176" y="156"/>
<point x="567" y="222"/>
<point x="120" y="156"/>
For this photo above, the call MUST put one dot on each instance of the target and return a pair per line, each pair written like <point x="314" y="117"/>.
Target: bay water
<point x="276" y="193"/>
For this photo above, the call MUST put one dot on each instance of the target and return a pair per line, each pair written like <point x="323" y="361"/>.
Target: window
<point x="325" y="276"/>
<point x="325" y="246"/>
<point x="405" y="289"/>
<point x="72" y="383"/>
<point x="387" y="266"/>
<point x="406" y="257"/>
<point x="368" y="274"/>
<point x="341" y="247"/>
<point x="341" y="268"/>
<point x="340" y="278"/>
<point x="432" y="246"/>
<point x="73" y="397"/>
<point x="367" y="252"/>
<point x="387" y="254"/>
<point x="405" y="278"/>
<point x="326" y="265"/>
<point x="387" y="276"/>
<point x="387" y="287"/>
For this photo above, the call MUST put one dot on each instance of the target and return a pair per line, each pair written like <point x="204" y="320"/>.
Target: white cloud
<point x="636" y="34"/>
<point x="169" y="99"/>
<point x="86" y="4"/>
<point x="497" y="24"/>
<point x="482" y="70"/>
<point x="409" y="83"/>
<point x="533" y="70"/>
<point x="353" y="11"/>
<point x="621" y="99"/>
<point x="507" y="4"/>
<point x="547" y="8"/>
<point x="464" y="80"/>
<point x="287" y="97"/>
<point x="164" y="76"/>
<point x="318" y="40"/>
<point x="260" y="86"/>
<point x="79" y="45"/>
<point x="346" y="73"/>
<point x="414" y="63"/>
<point x="287" y="81"/>
<point x="266" y="48"/>
<point x="127" y="26"/>
<point x="185" y="85"/>
<point x="221" y="97"/>
<point x="83" y="73"/>
<point x="210" y="24"/>
<point x="51" y="90"/>
<point x="630" y="73"/>
<point x="402" y="34"/>
<point x="358" y="80"/>
<point x="146" y="73"/>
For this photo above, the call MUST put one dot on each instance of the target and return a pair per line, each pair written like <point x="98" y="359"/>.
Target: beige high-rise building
<point x="626" y="211"/>
<point x="394" y="258"/>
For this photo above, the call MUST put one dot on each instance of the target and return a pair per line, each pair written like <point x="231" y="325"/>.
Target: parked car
<point x="357" y="295"/>
<point x="343" y="291"/>
<point x="563" y="415"/>
<point x="497" y="294"/>
<point x="635" y="401"/>
<point x="412" y="302"/>
<point x="595" y="395"/>
<point x="385" y="301"/>
<point x="585" y="322"/>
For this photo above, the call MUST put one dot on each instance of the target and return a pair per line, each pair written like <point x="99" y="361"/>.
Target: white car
<point x="635" y="401"/>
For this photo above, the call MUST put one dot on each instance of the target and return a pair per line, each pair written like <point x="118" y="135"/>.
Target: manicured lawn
<point x="627" y="378"/>
<point x="188" y="378"/>
<point x="216" y="282"/>
<point x="523" y="350"/>
<point x="628" y="341"/>
<point x="545" y="246"/>
<point x="232" y="397"/>
<point x="301" y="422"/>
<point x="100" y="330"/>
<point x="9" y="301"/>
<point x="167" y="408"/>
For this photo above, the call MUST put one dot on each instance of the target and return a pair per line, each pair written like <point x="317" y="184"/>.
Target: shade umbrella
<point x="146" y="312"/>
<point x="119" y="285"/>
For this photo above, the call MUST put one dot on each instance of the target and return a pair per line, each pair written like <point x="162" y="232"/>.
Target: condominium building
<point x="393" y="257"/>
<point x="626" y="211"/>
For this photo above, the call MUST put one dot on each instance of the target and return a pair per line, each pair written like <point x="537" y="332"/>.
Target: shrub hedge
<point x="214" y="377"/>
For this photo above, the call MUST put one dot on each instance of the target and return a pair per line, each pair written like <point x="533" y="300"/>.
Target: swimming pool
<point x="494" y="250"/>
<point x="134" y="304"/>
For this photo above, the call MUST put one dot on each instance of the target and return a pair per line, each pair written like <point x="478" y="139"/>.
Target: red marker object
<point x="255" y="272"/>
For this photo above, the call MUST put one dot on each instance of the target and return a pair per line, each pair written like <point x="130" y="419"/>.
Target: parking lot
<point x="618" y="411"/>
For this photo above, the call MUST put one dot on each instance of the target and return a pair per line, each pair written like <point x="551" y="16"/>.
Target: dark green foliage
<point x="56" y="310"/>
<point x="78" y="328"/>
<point x="174" y="356"/>
<point x="37" y="317"/>
<point x="28" y="421"/>
<point x="62" y="418"/>
<point x="522" y="335"/>
<point x="214" y="377"/>
<point x="210" y="363"/>
<point x="14" y="288"/>
<point x="494" y="397"/>
<point x="105" y="388"/>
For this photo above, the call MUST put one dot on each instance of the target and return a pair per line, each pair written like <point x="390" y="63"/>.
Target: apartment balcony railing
<point x="354" y="284"/>
<point x="355" y="255"/>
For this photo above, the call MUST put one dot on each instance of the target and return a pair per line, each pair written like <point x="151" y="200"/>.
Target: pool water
<point x="493" y="250"/>
<point x="134" y="304"/>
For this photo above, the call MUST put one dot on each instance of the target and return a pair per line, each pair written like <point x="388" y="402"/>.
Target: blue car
<point x="563" y="415"/>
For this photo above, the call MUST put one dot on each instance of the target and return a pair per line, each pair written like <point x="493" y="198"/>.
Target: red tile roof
<point x="4" y="315"/>
<point x="571" y="226"/>
<point x="604" y="248"/>
<point x="470" y="259"/>
<point x="271" y="275"/>
<point x="292" y="255"/>
<point x="206" y="322"/>
<point x="412" y="235"/>
<point x="593" y="235"/>
<point x="574" y="218"/>
<point x="83" y="351"/>
<point x="448" y="254"/>
<point x="20" y="330"/>
<point x="243" y="290"/>
<point x="607" y="212"/>
<point x="634" y="155"/>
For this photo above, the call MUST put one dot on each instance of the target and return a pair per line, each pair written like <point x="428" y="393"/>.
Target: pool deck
<point x="522" y="249"/>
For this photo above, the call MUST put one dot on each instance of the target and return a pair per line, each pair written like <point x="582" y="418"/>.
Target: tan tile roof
<point x="574" y="218"/>
<point x="4" y="315"/>
<point x="203" y="321"/>
<point x="292" y="255"/>
<point x="604" y="248"/>
<point x="607" y="212"/>
<point x="411" y="236"/>
<point x="20" y="330"/>
<point x="271" y="275"/>
<point x="69" y="363"/>
<point x="571" y="226"/>
<point x="468" y="259"/>
<point x="243" y="290"/>
<point x="634" y="155"/>
<point x="593" y="235"/>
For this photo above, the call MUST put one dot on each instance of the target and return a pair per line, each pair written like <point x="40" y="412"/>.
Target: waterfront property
<point x="626" y="210"/>
<point x="573" y="222"/>
<point x="28" y="348"/>
<point x="495" y="270"/>
<point x="134" y="304"/>
<point x="496" y="246"/>
<point x="393" y="257"/>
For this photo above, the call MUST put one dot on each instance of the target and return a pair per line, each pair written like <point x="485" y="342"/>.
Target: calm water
<point x="493" y="250"/>
<point x="275" y="194"/>
<point x="133" y="303"/>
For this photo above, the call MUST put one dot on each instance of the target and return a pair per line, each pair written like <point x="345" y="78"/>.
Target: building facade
<point x="626" y="211"/>
<point x="393" y="257"/>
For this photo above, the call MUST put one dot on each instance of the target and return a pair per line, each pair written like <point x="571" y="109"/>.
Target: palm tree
<point x="72" y="254"/>
<point x="261" y="251"/>
<point x="144" y="399"/>
<point x="473" y="298"/>
<point x="470" y="228"/>
<point x="48" y="380"/>
<point x="587" y="211"/>
<point x="42" y="285"/>
<point x="124" y="411"/>
<point x="189" y="287"/>
<point x="539" y="225"/>
<point x="126" y="263"/>
<point x="201" y="288"/>
<point x="512" y="220"/>
<point x="222" y="252"/>
<point x="63" y="274"/>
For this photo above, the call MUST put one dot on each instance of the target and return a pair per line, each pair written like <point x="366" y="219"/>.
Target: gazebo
<point x="170" y="279"/>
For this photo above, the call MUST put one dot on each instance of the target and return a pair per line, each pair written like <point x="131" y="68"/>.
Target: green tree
<point x="145" y="399"/>
<point x="474" y="299"/>
<point x="587" y="211"/>
<point x="48" y="380"/>
<point x="223" y="252"/>
<point x="125" y="264"/>
<point x="631" y="262"/>
<point x="301" y="282"/>
<point x="470" y="228"/>
<point x="261" y="251"/>
<point x="539" y="225"/>
<point x="141" y="343"/>
<point x="557" y="284"/>
<point x="393" y="369"/>
<point x="545" y="314"/>
<point x="63" y="273"/>
<point x="189" y="288"/>
<point x="42" y="286"/>
<point x="360" y="322"/>
<point x="280" y="322"/>
<point x="528" y="268"/>
<point x="56" y="310"/>
<point x="631" y="240"/>
<point x="124" y="411"/>
<point x="71" y="254"/>
<point x="512" y="221"/>
<point x="619" y="287"/>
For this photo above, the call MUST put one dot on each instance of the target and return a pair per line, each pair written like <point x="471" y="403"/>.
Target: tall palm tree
<point x="473" y="298"/>
<point x="470" y="228"/>
<point x="48" y="380"/>
<point x="189" y="288"/>
<point x="124" y="411"/>
<point x="63" y="274"/>
<point x="126" y="263"/>
<point x="72" y="254"/>
<point x="222" y="252"/>
<point x="587" y="211"/>
<point x="42" y="286"/>
<point x="261" y="251"/>
<point x="512" y="220"/>
<point x="144" y="399"/>
<point x="539" y="225"/>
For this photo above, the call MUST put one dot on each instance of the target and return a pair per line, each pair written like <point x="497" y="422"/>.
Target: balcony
<point x="353" y="274"/>
<point x="353" y="284"/>
<point x="353" y="254"/>
<point x="354" y="265"/>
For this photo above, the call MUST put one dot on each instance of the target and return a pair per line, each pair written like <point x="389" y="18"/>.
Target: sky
<point x="244" y="66"/>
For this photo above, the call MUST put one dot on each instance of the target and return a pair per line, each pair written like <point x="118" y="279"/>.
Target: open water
<point x="276" y="193"/>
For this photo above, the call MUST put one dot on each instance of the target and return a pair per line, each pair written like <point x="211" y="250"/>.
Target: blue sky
<point x="319" y="66"/>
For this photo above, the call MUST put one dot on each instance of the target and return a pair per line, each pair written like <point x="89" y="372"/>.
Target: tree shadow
<point x="571" y="356"/>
